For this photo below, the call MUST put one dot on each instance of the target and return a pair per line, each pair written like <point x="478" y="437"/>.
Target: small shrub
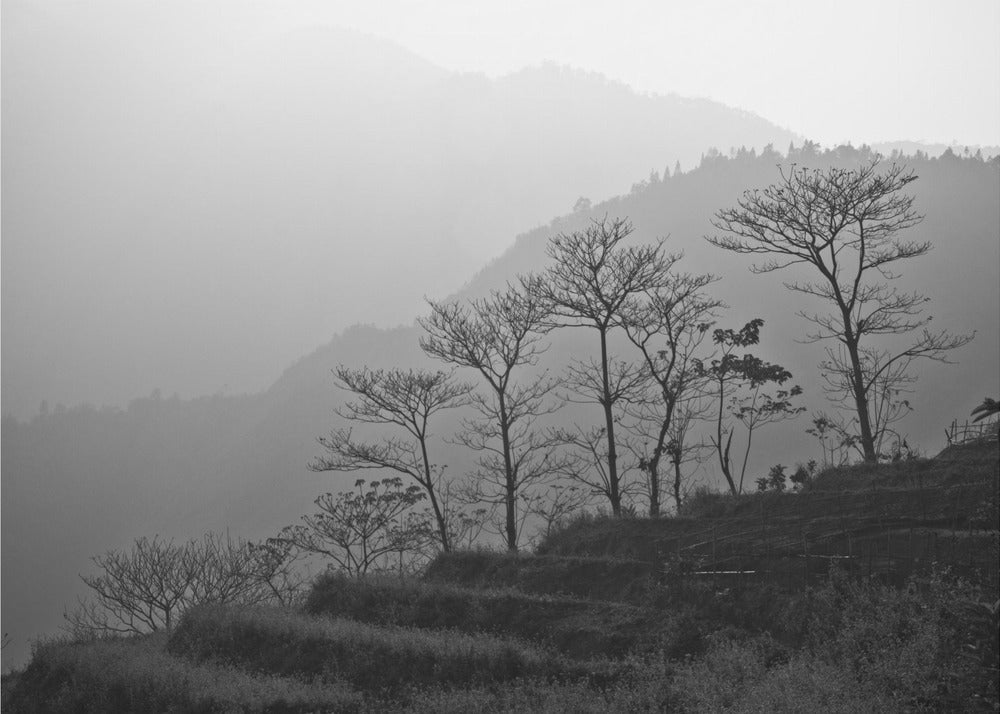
<point x="803" y="474"/>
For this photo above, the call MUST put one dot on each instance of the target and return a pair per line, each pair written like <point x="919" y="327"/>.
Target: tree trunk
<point x="614" y="493"/>
<point x="654" y="466"/>
<point x="861" y="402"/>
<point x="654" y="491"/>
<point x="677" y="482"/>
<point x="509" y="476"/>
<point x="438" y="515"/>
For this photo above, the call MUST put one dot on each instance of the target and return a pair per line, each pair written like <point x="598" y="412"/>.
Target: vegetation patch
<point x="372" y="658"/>
<point x="576" y="627"/>
<point x="931" y="646"/>
<point x="617" y="580"/>
<point x="137" y="675"/>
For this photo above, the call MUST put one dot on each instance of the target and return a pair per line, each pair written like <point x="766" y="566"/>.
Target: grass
<point x="492" y="632"/>
<point x="890" y="519"/>
<point x="369" y="657"/>
<point x="610" y="579"/>
<point x="932" y="646"/>
<point x="576" y="627"/>
<point x="137" y="675"/>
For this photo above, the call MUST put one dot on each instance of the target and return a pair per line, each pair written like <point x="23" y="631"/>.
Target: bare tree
<point x="498" y="337"/>
<point x="147" y="587"/>
<point x="668" y="328"/>
<point x="887" y="387"/>
<point x="228" y="570"/>
<point x="835" y="440"/>
<point x="592" y="277"/>
<point x="373" y="527"/>
<point x="737" y="385"/>
<point x="555" y="506"/>
<point x="140" y="590"/>
<point x="586" y="463"/>
<point x="681" y="451"/>
<point x="405" y="400"/>
<point x="844" y="224"/>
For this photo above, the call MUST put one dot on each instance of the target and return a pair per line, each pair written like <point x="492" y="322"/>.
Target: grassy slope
<point x="943" y="509"/>
<point x="566" y="630"/>
<point x="577" y="627"/>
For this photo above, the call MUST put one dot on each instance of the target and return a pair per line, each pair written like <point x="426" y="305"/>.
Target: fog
<point x="195" y="195"/>
<point x="190" y="207"/>
<point x="202" y="198"/>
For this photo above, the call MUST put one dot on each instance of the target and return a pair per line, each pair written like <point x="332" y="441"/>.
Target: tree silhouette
<point x="499" y="336"/>
<point x="737" y="382"/>
<point x="150" y="585"/>
<point x="404" y="400"/>
<point x="844" y="224"/>
<point x="373" y="527"/>
<point x="668" y="328"/>
<point x="591" y="278"/>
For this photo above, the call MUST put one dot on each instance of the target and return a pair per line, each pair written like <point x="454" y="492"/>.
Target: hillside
<point x="176" y="467"/>
<point x="585" y="627"/>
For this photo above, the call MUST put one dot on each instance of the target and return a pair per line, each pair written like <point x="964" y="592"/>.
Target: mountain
<point x="190" y="207"/>
<point x="79" y="481"/>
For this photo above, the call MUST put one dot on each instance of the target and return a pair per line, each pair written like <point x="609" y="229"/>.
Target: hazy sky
<point x="834" y="71"/>
<point x="131" y="94"/>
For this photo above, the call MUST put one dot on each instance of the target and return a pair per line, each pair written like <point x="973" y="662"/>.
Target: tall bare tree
<point x="404" y="400"/>
<point x="668" y="328"/>
<point x="845" y="225"/>
<point x="592" y="277"/>
<point x="498" y="337"/>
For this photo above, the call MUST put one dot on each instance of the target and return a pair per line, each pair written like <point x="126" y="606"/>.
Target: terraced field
<point x="609" y="616"/>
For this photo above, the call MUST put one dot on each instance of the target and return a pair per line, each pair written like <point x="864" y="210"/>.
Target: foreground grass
<point x="137" y="675"/>
<point x="576" y="627"/>
<point x="847" y="644"/>
<point x="931" y="646"/>
<point x="371" y="658"/>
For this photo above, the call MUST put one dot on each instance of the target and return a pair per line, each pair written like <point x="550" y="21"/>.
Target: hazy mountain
<point x="191" y="206"/>
<point x="79" y="481"/>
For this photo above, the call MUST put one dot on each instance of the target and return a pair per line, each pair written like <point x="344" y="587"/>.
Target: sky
<point x="857" y="71"/>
